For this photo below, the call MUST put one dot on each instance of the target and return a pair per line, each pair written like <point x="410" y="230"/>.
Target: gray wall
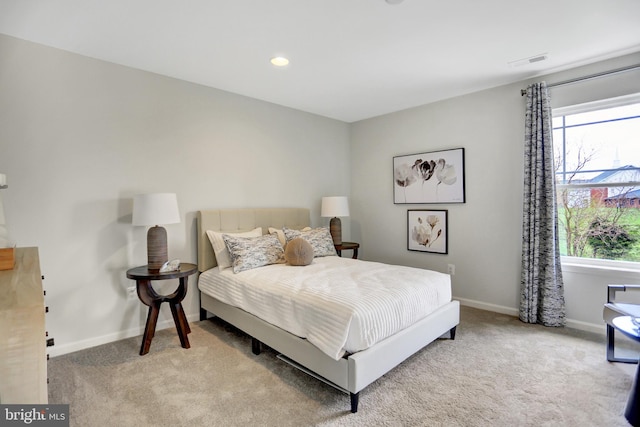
<point x="79" y="137"/>
<point x="485" y="232"/>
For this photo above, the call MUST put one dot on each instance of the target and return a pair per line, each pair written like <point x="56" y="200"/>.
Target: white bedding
<point x="338" y="304"/>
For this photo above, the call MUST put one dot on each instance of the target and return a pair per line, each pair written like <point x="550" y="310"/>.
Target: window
<point x="597" y="159"/>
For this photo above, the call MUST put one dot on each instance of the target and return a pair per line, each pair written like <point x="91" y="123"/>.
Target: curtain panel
<point x="542" y="288"/>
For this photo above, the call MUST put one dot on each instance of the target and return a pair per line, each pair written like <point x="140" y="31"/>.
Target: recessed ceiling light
<point x="280" y="61"/>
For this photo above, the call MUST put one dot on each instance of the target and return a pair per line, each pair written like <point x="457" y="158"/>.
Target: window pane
<point x="556" y="122"/>
<point x="594" y="224"/>
<point x="601" y="148"/>
<point x="605" y="114"/>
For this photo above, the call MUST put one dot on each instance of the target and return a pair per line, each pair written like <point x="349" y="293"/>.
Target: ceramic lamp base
<point x="335" y="228"/>
<point x="156" y="248"/>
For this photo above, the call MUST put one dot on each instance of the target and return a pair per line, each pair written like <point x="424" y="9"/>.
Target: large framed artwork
<point x="431" y="177"/>
<point x="427" y="231"/>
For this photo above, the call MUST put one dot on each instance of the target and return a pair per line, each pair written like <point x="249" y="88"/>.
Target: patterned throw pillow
<point x="320" y="239"/>
<point x="220" y="248"/>
<point x="251" y="252"/>
<point x="280" y="233"/>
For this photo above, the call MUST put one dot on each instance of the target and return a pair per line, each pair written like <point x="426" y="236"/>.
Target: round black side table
<point x="632" y="410"/>
<point x="143" y="277"/>
<point x="345" y="246"/>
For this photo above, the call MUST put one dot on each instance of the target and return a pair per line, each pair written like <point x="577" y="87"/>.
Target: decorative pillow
<point x="280" y="233"/>
<point x="251" y="252"/>
<point x="220" y="249"/>
<point x="298" y="252"/>
<point x="319" y="238"/>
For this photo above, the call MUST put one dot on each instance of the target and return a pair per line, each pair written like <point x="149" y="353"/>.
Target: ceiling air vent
<point x="530" y="60"/>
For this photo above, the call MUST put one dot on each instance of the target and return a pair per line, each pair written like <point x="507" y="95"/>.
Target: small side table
<point x="632" y="410"/>
<point x="345" y="246"/>
<point x="149" y="297"/>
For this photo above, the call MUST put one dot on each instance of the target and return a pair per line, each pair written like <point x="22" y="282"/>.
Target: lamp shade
<point x="2" y="220"/>
<point x="155" y="209"/>
<point x="334" y="206"/>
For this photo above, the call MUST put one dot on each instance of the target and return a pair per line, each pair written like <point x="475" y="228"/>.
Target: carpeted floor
<point x="497" y="372"/>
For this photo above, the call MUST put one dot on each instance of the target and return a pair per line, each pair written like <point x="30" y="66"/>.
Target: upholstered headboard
<point x="236" y="220"/>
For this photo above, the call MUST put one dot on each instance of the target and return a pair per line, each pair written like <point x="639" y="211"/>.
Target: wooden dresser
<point x="23" y="360"/>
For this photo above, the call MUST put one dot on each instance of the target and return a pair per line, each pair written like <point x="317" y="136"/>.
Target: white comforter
<point x="338" y="304"/>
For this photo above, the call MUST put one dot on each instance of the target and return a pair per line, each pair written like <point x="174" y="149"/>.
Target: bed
<point x="350" y="372"/>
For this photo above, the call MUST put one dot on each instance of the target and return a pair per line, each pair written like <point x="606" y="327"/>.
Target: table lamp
<point x="335" y="207"/>
<point x="3" y="228"/>
<point x="7" y="247"/>
<point x="153" y="209"/>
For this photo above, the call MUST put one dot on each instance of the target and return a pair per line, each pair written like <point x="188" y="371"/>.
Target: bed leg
<point x="203" y="314"/>
<point x="355" y="397"/>
<point x="255" y="346"/>
<point x="452" y="333"/>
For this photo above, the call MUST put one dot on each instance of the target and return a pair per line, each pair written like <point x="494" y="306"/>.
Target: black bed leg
<point x="452" y="333"/>
<point x="255" y="346"/>
<point x="355" y="397"/>
<point x="203" y="314"/>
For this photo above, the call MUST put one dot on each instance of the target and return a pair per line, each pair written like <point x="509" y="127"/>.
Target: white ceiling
<point x="350" y="59"/>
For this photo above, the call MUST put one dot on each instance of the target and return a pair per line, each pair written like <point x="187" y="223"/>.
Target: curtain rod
<point x="523" y="92"/>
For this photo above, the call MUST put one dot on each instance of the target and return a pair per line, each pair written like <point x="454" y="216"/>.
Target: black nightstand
<point x="345" y="246"/>
<point x="143" y="277"/>
<point x="626" y="325"/>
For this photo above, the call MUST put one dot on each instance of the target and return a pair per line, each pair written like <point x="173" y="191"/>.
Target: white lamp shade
<point x="2" y="220"/>
<point x="334" y="206"/>
<point x="155" y="209"/>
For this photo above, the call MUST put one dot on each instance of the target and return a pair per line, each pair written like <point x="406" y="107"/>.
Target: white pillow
<point x="220" y="249"/>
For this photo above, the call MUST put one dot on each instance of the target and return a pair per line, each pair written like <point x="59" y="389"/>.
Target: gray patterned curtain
<point x="542" y="289"/>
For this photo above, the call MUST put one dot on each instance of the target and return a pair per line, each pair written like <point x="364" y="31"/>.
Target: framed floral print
<point x="427" y="231"/>
<point x="431" y="177"/>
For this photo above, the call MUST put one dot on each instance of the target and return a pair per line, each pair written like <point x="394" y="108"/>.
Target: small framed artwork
<point x="427" y="231"/>
<point x="431" y="177"/>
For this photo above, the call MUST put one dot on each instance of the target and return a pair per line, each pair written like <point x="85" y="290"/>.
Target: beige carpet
<point x="497" y="372"/>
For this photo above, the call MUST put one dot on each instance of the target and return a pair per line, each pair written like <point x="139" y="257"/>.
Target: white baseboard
<point x="60" y="349"/>
<point x="570" y="323"/>
<point x="589" y="327"/>
<point x="488" y="307"/>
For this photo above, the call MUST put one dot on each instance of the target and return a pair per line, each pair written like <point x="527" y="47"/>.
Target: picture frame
<point x="429" y="177"/>
<point x="427" y="230"/>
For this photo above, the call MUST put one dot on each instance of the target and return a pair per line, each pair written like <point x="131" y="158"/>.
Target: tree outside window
<point x="597" y="149"/>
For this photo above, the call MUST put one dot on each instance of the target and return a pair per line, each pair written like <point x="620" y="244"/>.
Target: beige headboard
<point x="235" y="220"/>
